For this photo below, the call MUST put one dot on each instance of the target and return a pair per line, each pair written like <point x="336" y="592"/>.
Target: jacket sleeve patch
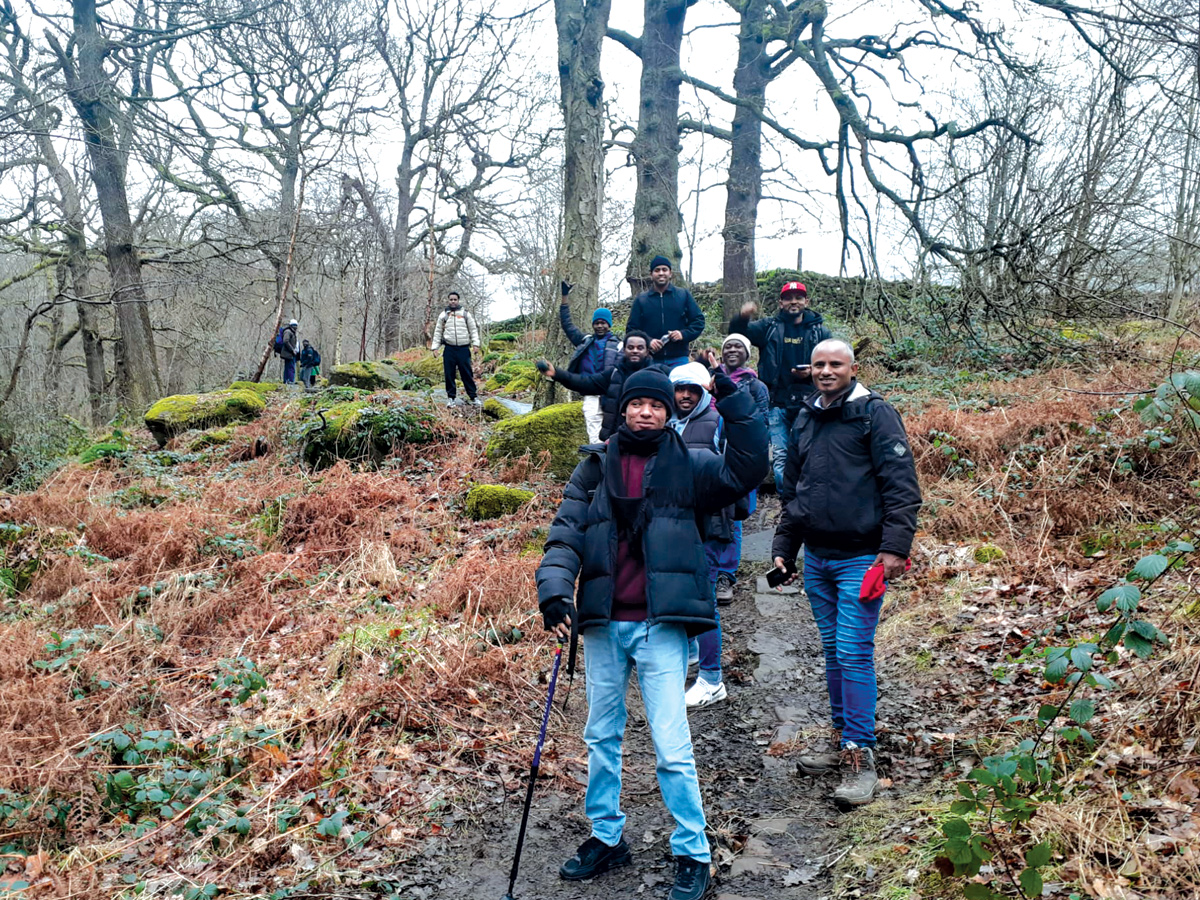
<point x="899" y="449"/>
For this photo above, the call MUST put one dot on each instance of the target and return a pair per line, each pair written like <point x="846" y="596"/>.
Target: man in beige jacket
<point x="457" y="333"/>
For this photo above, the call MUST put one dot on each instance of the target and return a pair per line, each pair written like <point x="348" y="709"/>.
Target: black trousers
<point x="458" y="359"/>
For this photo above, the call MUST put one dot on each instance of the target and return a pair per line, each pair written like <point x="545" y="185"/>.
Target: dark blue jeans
<point x="847" y="627"/>
<point x="289" y="371"/>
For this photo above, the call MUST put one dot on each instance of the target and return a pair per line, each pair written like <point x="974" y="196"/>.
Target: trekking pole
<point x="533" y="772"/>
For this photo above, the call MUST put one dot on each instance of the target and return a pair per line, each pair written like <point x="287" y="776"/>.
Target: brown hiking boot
<point x="859" y="781"/>
<point x="818" y="760"/>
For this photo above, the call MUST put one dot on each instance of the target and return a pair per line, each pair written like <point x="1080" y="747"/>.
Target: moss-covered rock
<point x="513" y="377"/>
<point x="186" y="412"/>
<point x="213" y="438"/>
<point x="494" y="409"/>
<point x="427" y="366"/>
<point x="506" y="337"/>
<point x="110" y="446"/>
<point x="259" y="387"/>
<point x="986" y="553"/>
<point x="367" y="431"/>
<point x="375" y="375"/>
<point x="490" y="501"/>
<point x="558" y="429"/>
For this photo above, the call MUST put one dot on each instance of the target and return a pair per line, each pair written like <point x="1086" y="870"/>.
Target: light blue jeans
<point x="847" y="627"/>
<point x="660" y="656"/>
<point x="779" y="426"/>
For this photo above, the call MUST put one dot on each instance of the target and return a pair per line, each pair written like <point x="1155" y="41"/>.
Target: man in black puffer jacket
<point x="627" y="531"/>
<point x="607" y="384"/>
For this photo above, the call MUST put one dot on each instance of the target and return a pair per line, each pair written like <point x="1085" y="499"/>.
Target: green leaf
<point x="966" y="790"/>
<point x="1056" y="670"/>
<point x="1031" y="882"/>
<point x="1150" y="567"/>
<point x="976" y="891"/>
<point x="1124" y="596"/>
<point x="983" y="776"/>
<point x="1081" y="659"/>
<point x="242" y="825"/>
<point x="956" y="828"/>
<point x="1138" y="645"/>
<point x="1047" y="713"/>
<point x="1082" y="711"/>
<point x="1180" y="547"/>
<point x="1101" y="681"/>
<point x="963" y="807"/>
<point x="1145" y="629"/>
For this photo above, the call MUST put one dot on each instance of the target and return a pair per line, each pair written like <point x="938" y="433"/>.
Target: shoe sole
<point x="615" y="863"/>
<point x="716" y="699"/>
<point x="724" y="601"/>
<point x="845" y="804"/>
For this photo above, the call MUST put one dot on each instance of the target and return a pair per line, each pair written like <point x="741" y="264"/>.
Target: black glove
<point x="555" y="612"/>
<point x="565" y="287"/>
<point x="723" y="385"/>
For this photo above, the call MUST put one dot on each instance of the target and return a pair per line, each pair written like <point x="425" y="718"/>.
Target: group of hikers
<point x="290" y="353"/>
<point x="645" y="546"/>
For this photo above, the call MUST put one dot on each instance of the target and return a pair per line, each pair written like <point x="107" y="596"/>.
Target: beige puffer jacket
<point x="455" y="328"/>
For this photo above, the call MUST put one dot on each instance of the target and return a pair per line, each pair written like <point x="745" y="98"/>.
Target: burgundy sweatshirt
<point x="629" y="581"/>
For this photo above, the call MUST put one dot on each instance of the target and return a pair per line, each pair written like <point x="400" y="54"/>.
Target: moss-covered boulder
<point x="490" y="501"/>
<point x="375" y="375"/>
<point x="514" y="377"/>
<point x="215" y="437"/>
<point x="558" y="429"/>
<point x="427" y="366"/>
<point x="259" y="387"/>
<point x="113" y="445"/>
<point x="367" y="431"/>
<point x="186" y="412"/>
<point x="494" y="409"/>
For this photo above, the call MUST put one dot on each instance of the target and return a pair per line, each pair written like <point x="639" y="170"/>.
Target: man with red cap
<point x="785" y="343"/>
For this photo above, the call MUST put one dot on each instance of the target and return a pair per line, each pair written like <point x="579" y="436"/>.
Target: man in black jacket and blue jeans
<point x="851" y="497"/>
<point x="627" y="532"/>
<point x="785" y="342"/>
<point x="666" y="312"/>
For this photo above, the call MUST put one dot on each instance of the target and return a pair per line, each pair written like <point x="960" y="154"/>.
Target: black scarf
<point x="668" y="484"/>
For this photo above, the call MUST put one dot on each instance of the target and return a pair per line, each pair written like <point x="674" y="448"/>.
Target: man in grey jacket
<point x="457" y="333"/>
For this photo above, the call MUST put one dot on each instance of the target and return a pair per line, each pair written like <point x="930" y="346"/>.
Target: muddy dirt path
<point x="776" y="832"/>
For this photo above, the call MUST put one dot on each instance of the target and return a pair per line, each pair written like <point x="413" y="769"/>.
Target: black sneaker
<point x="692" y="879"/>
<point x="595" y="857"/>
<point x="724" y="589"/>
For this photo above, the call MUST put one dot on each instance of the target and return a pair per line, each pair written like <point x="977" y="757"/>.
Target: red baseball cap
<point x="793" y="286"/>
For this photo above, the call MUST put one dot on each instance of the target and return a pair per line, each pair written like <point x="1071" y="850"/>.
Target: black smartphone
<point x="776" y="577"/>
<point x="542" y="366"/>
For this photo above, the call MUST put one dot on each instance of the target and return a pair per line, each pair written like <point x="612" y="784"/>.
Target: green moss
<point x="490" y="501"/>
<point x="367" y="431"/>
<point x="214" y="438"/>
<point x="375" y="375"/>
<point x="428" y="367"/>
<point x="986" y="553"/>
<point x="506" y="337"/>
<point x="111" y="445"/>
<point x="184" y="412"/>
<point x="513" y="377"/>
<point x="490" y="357"/>
<point x="259" y="387"/>
<point x="494" y="409"/>
<point x="558" y="430"/>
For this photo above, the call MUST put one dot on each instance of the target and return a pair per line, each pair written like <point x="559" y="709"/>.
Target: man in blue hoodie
<point x="697" y="422"/>
<point x="594" y="354"/>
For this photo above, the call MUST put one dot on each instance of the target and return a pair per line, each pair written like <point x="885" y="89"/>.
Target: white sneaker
<point x="452" y="402"/>
<point x="703" y="694"/>
<point x="477" y="402"/>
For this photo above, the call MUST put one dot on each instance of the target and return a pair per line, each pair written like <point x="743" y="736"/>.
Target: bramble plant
<point x="240" y="675"/>
<point x="1006" y="791"/>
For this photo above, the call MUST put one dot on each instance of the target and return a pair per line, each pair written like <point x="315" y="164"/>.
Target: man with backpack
<point x="851" y="498"/>
<point x="287" y="349"/>
<point x="456" y="331"/>
<point x="310" y="359"/>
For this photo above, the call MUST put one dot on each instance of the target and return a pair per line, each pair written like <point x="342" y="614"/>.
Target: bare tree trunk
<point x="581" y="26"/>
<point x="656" y="219"/>
<point x="744" y="188"/>
<point x="92" y="94"/>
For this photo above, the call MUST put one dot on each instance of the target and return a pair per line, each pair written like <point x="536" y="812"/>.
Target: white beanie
<point x="691" y="373"/>
<point x="741" y="339"/>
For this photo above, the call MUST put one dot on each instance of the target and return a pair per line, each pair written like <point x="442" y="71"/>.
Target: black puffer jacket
<point x="583" y="538"/>
<point x="767" y="336"/>
<point x="608" y="385"/>
<point x="850" y="484"/>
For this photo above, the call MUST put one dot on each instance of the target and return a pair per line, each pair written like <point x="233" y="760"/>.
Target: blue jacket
<point x="656" y="314"/>
<point x="581" y="342"/>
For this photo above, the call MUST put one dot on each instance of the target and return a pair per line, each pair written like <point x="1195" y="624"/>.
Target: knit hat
<point x="650" y="383"/>
<point x="602" y="313"/>
<point x="660" y="261"/>
<point x="741" y="339"/>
